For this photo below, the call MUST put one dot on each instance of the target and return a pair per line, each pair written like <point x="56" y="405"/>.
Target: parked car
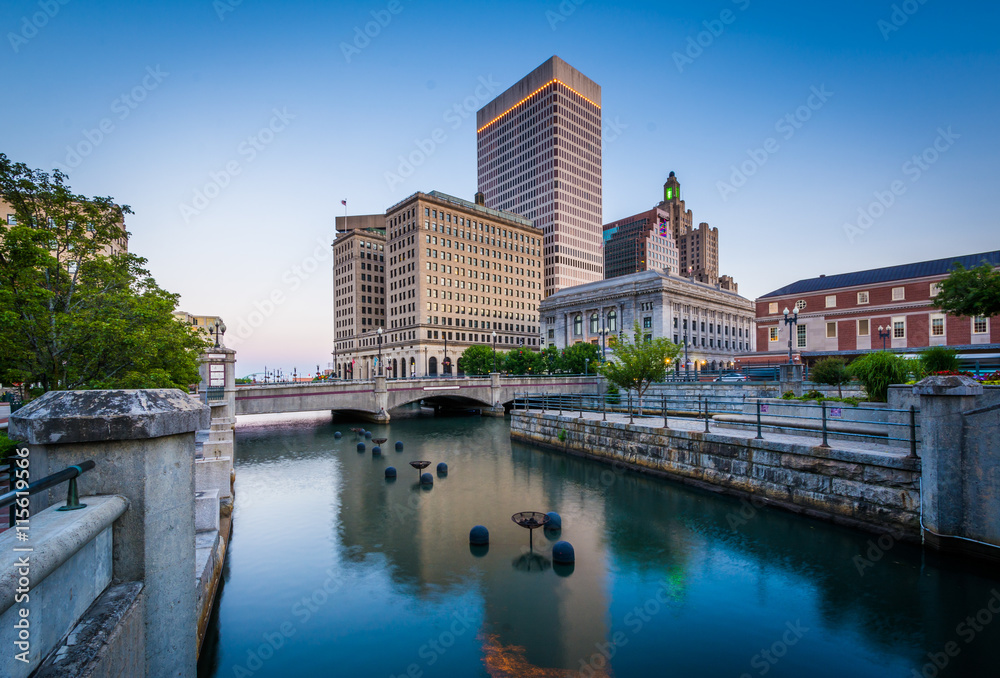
<point x="736" y="377"/>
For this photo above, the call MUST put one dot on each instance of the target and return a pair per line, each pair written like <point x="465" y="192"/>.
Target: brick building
<point x="850" y="313"/>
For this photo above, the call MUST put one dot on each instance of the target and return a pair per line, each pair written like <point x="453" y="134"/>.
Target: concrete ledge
<point x="109" y="640"/>
<point x="91" y="416"/>
<point x="56" y="536"/>
<point x="214" y="474"/>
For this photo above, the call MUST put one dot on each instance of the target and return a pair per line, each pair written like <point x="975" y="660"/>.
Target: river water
<point x="333" y="571"/>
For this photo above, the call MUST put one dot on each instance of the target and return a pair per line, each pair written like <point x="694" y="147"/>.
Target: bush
<point x="614" y="396"/>
<point x="877" y="371"/>
<point x="788" y="395"/>
<point x="832" y="372"/>
<point x="7" y="446"/>
<point x="938" y="359"/>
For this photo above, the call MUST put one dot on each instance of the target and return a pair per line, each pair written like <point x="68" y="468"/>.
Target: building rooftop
<point x="887" y="274"/>
<point x="487" y="212"/>
<point x="634" y="279"/>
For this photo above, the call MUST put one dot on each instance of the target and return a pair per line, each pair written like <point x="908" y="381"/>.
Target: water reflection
<point x="666" y="575"/>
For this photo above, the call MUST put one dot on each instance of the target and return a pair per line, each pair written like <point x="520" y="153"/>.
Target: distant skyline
<point x="819" y="139"/>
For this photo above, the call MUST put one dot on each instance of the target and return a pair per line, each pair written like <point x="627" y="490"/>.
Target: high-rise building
<point x="698" y="248"/>
<point x="539" y="155"/>
<point x="358" y="296"/>
<point x="642" y="242"/>
<point x="458" y="273"/>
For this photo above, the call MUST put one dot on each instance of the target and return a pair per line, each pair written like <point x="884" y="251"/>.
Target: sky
<point x="818" y="138"/>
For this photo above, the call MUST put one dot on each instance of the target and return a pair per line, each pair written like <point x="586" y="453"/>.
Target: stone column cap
<point x="951" y="385"/>
<point x="90" y="416"/>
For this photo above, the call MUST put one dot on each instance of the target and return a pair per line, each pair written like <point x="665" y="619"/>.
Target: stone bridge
<point x="377" y="398"/>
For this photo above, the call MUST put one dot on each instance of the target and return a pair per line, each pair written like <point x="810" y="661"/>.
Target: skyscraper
<point x="539" y="156"/>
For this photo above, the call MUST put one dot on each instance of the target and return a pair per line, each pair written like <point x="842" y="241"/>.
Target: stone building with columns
<point x="716" y="324"/>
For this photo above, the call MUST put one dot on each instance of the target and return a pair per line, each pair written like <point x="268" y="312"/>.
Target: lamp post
<point x="218" y="332"/>
<point x="883" y="333"/>
<point x="494" y="351"/>
<point x="444" y="363"/>
<point x="379" y="332"/>
<point x="791" y="321"/>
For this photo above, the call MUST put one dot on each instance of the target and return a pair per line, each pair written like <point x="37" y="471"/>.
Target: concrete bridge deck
<point x="376" y="398"/>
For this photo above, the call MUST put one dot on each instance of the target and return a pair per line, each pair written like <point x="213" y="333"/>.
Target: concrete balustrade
<point x="143" y="444"/>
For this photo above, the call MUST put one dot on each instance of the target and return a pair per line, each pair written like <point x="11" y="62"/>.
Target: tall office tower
<point x="539" y="156"/>
<point x="642" y="242"/>
<point x="698" y="247"/>
<point x="359" y="292"/>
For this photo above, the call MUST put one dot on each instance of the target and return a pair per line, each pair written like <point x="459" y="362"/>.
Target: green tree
<point x="832" y="372"/>
<point x="877" y="371"/>
<point x="523" y="360"/>
<point x="551" y="358"/>
<point x="938" y="359"/>
<point x="580" y="358"/>
<point x="636" y="364"/>
<point x="478" y="359"/>
<point x="970" y="292"/>
<point x="72" y="315"/>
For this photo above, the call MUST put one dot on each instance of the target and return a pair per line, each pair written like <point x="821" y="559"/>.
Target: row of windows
<point x="898" y="294"/>
<point x="896" y="329"/>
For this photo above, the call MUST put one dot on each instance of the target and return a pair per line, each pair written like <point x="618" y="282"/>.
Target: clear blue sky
<point x="185" y="88"/>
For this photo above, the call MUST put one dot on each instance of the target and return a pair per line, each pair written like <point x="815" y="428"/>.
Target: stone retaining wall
<point x="867" y="490"/>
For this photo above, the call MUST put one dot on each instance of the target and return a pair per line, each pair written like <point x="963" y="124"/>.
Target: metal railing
<point x="72" y="495"/>
<point x="824" y="419"/>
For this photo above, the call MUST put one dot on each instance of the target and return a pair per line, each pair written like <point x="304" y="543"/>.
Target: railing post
<point x="759" y="436"/>
<point x="560" y="404"/>
<point x="825" y="444"/>
<point x="663" y="407"/>
<point x="706" y="415"/>
<point x="630" y="419"/>
<point x="604" y="407"/>
<point x="913" y="432"/>
<point x="581" y="406"/>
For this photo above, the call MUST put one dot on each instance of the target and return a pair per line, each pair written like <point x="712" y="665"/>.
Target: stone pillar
<point x="143" y="444"/>
<point x="790" y="378"/>
<point x="381" y="411"/>
<point x="495" y="397"/>
<point x="942" y="496"/>
<point x="224" y="361"/>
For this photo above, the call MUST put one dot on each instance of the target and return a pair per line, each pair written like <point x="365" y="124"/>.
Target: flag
<point x="344" y="203"/>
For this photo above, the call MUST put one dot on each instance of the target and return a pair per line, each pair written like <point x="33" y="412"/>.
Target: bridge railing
<point x="864" y="422"/>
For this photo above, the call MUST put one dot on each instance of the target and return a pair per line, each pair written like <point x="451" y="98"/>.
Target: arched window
<point x="612" y="321"/>
<point x="578" y="325"/>
<point x="595" y="324"/>
<point x="432" y="366"/>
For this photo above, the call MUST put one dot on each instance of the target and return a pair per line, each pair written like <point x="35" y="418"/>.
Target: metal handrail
<point x="70" y="474"/>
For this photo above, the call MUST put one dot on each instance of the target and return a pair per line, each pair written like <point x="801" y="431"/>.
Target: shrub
<point x="614" y="396"/>
<point x="812" y="395"/>
<point x="832" y="372"/>
<point x="788" y="395"/>
<point x="877" y="371"/>
<point x="938" y="359"/>
<point x="562" y="435"/>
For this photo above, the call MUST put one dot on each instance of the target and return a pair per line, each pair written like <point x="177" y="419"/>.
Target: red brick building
<point x="850" y="313"/>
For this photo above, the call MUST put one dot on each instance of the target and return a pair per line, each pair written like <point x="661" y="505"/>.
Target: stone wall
<point x="870" y="490"/>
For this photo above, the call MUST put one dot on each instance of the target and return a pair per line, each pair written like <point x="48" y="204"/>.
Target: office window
<point x="863" y="328"/>
<point x="862" y="297"/>
<point x="831" y="330"/>
<point x="937" y="326"/>
<point x="899" y="328"/>
<point x="647" y="323"/>
<point x="898" y="293"/>
<point x="800" y="304"/>
<point x="612" y="321"/>
<point x="552" y="335"/>
<point x="831" y="301"/>
<point x="648" y="338"/>
<point x="772" y="334"/>
<point x="578" y="325"/>
<point x="935" y="290"/>
<point x="979" y="325"/>
<point x="594" y="324"/>
<point x="772" y="308"/>
<point x="800" y="338"/>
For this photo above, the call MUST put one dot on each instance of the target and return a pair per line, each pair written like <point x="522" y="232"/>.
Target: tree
<point x="72" y="314"/>
<point x="832" y="372"/>
<point x="523" y="360"/>
<point x="551" y="358"/>
<point x="636" y="364"/>
<point x="877" y="371"/>
<point x="970" y="292"/>
<point x="478" y="359"/>
<point x="580" y="358"/>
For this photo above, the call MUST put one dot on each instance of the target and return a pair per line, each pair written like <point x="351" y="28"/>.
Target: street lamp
<point x="218" y="332"/>
<point x="444" y="363"/>
<point x="379" y="332"/>
<point x="791" y="321"/>
<point x="494" y="351"/>
<point x="883" y="333"/>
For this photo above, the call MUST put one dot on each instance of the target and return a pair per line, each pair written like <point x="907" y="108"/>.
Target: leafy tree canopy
<point x="523" y="360"/>
<point x="580" y="358"/>
<point x="73" y="315"/>
<point x="636" y="364"/>
<point x="478" y="359"/>
<point x="831" y="371"/>
<point x="970" y="292"/>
